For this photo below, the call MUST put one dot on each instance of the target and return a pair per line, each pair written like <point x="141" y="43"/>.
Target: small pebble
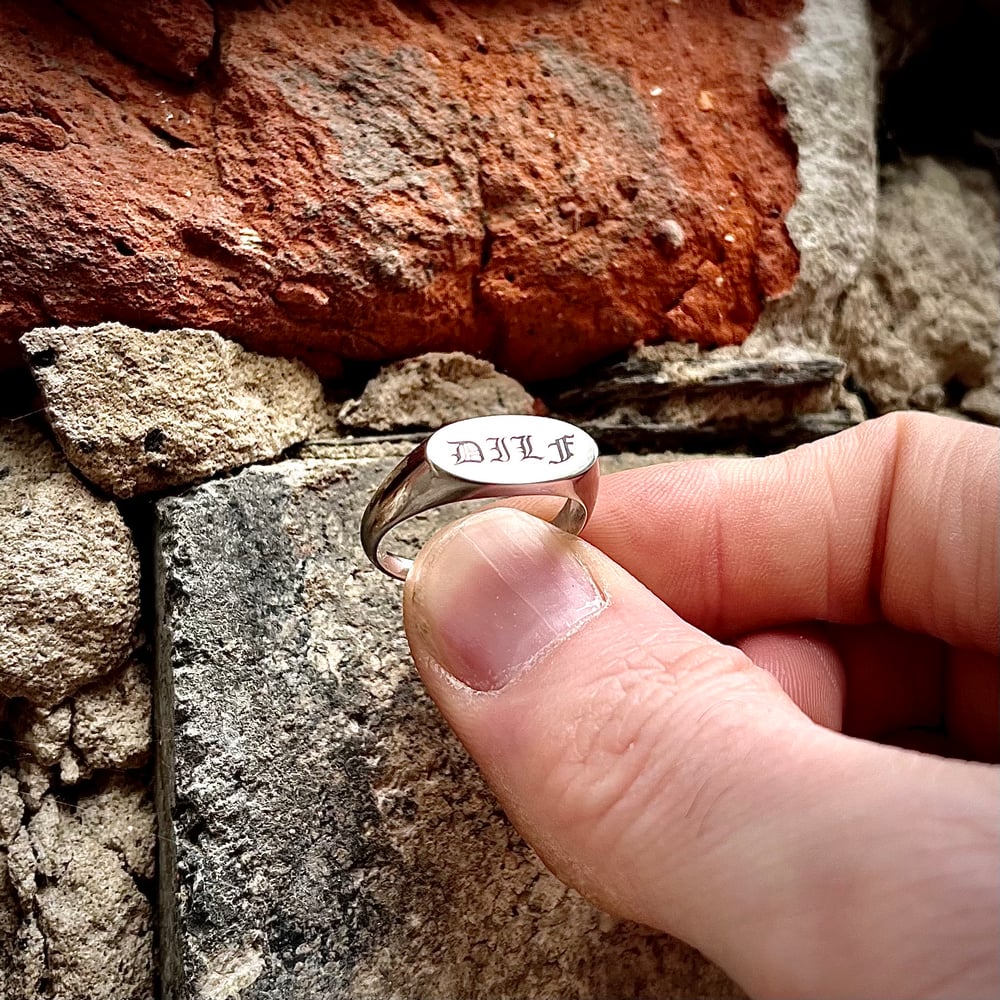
<point x="669" y="233"/>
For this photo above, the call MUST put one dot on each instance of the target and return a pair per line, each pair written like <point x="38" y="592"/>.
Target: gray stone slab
<point x="323" y="833"/>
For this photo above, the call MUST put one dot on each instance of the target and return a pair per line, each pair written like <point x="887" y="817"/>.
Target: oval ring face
<point x="511" y="449"/>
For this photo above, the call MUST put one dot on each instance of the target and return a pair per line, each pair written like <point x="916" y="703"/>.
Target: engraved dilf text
<point x="515" y="448"/>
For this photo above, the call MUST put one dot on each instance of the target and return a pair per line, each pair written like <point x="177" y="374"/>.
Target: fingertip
<point x="808" y="667"/>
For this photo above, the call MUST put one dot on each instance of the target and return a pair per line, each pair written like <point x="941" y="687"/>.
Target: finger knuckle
<point x="641" y="745"/>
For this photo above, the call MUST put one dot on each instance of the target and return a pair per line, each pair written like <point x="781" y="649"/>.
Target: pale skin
<point x="757" y="706"/>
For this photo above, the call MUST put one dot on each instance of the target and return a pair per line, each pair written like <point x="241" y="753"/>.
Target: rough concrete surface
<point x="75" y="923"/>
<point x="112" y="720"/>
<point x="827" y="83"/>
<point x="926" y="311"/>
<point x="69" y="574"/>
<point x="541" y="183"/>
<point x="332" y="837"/>
<point x="137" y="411"/>
<point x="433" y="389"/>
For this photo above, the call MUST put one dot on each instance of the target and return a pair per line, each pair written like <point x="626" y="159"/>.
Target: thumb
<point x="673" y="782"/>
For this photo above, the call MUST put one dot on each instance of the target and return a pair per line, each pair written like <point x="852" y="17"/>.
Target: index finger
<point x="895" y="520"/>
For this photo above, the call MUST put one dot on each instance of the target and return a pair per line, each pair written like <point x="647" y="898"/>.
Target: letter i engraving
<point x="501" y="453"/>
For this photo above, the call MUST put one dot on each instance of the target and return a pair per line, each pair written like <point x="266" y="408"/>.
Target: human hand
<point x="720" y="792"/>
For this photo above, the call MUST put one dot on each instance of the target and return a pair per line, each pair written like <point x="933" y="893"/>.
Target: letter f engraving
<point x="563" y="450"/>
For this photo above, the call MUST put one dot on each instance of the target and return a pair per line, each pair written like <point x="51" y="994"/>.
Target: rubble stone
<point x="926" y="311"/>
<point x="433" y="389"/>
<point x="758" y="396"/>
<point x="112" y="720"/>
<point x="137" y="411"/>
<point x="43" y="732"/>
<point x="74" y="921"/>
<point x="69" y="573"/>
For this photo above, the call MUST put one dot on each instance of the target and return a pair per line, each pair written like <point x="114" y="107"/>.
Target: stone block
<point x="69" y="576"/>
<point x="430" y="390"/>
<point x="923" y="320"/>
<point x="755" y="396"/>
<point x="138" y="411"/>
<point x="323" y="834"/>
<point x="75" y="923"/>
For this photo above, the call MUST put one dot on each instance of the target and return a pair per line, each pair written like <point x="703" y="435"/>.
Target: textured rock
<point x="34" y="783"/>
<point x="916" y="308"/>
<point x="95" y="921"/>
<point x="75" y="859"/>
<point x="22" y="953"/>
<point x="170" y="37"/>
<point x="11" y="807"/>
<point x="112" y="719"/>
<point x="431" y="390"/>
<point x="927" y="311"/>
<point x="136" y="411"/>
<point x="105" y="726"/>
<point x="43" y="732"/>
<point x="332" y="838"/>
<point x="121" y="818"/>
<point x="664" y="378"/>
<point x="983" y="404"/>
<point x="827" y="82"/>
<point x="74" y="924"/>
<point x="539" y="183"/>
<point x="69" y="575"/>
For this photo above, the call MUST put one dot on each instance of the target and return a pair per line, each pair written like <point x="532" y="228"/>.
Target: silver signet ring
<point x="502" y="456"/>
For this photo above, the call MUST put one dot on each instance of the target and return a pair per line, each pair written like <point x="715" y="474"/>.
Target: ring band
<point x="479" y="458"/>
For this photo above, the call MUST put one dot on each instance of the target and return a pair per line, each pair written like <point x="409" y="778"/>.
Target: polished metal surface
<point x="480" y="458"/>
